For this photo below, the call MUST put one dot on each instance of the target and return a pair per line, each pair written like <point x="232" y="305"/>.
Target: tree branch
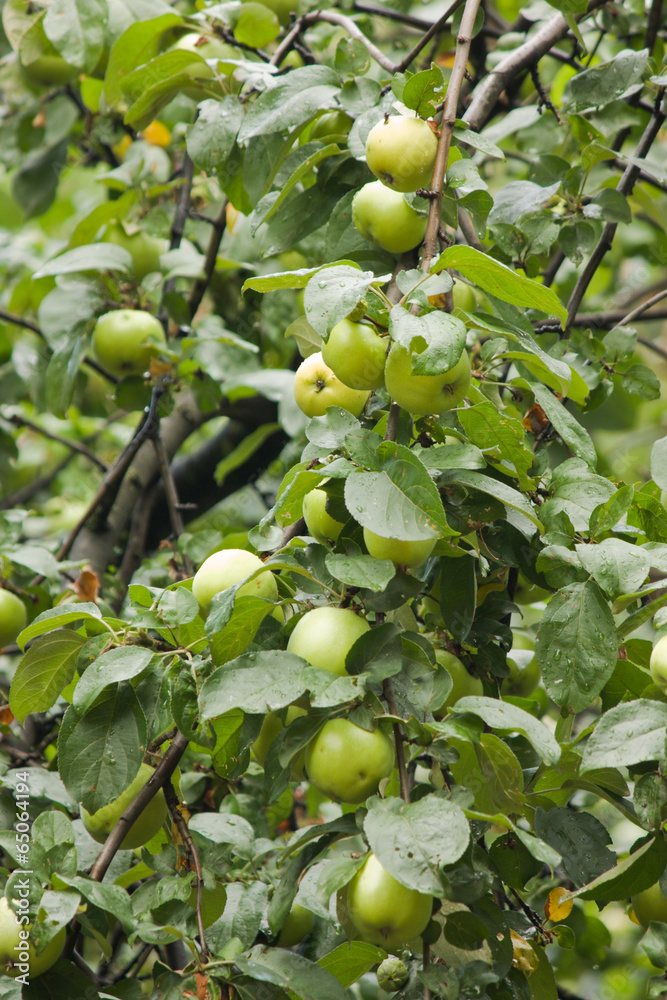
<point x="432" y="31"/>
<point x="200" y="286"/>
<point x="598" y="321"/>
<point x="388" y="690"/>
<point x="624" y="187"/>
<point x="76" y="446"/>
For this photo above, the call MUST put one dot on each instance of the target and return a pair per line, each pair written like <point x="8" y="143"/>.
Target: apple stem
<point x="388" y="689"/>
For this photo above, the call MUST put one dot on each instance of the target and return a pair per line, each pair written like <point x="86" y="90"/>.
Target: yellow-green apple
<point x="271" y="726"/>
<point x="649" y="905"/>
<point x="384" y="216"/>
<point x="331" y="127"/>
<point x="225" y="568"/>
<point x="13" y="617"/>
<point x="385" y="912"/>
<point x="125" y="340"/>
<point x="298" y="925"/>
<point x="463" y="683"/>
<point x="423" y="394"/>
<point x="316" y="387"/>
<point x="356" y="354"/>
<point x="658" y="663"/>
<point x="321" y="525"/>
<point x="18" y="955"/>
<point x="400" y="151"/>
<point x="100" y="824"/>
<point x="324" y="636"/>
<point x="348" y="763"/>
<point x="402" y="553"/>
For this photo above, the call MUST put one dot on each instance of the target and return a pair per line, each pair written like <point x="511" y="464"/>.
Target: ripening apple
<point x="100" y="824"/>
<point x="271" y="726"/>
<point x="401" y="553"/>
<point x="658" y="663"/>
<point x="424" y="394"/>
<point x="332" y="127"/>
<point x="464" y="296"/>
<point x="144" y="250"/>
<point x="324" y="636"/>
<point x="298" y="925"/>
<point x="348" y="763"/>
<point x="384" y="216"/>
<point x="400" y="151"/>
<point x="385" y="912"/>
<point x="283" y="9"/>
<point x="12" y="954"/>
<point x="125" y="340"/>
<point x="225" y="568"/>
<point x="463" y="683"/>
<point x="321" y="525"/>
<point x="213" y="902"/>
<point x="13" y="617"/>
<point x="356" y="354"/>
<point x="649" y="905"/>
<point x="316" y="387"/>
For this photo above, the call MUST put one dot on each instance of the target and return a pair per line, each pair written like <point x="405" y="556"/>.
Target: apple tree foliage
<point x="177" y="158"/>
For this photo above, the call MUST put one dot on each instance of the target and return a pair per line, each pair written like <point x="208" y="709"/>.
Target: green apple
<point x="125" y="340"/>
<point x="463" y="683"/>
<point x="332" y="127"/>
<point x="392" y="974"/>
<point x="402" y="553"/>
<point x="283" y="9"/>
<point x="18" y="955"/>
<point x="384" y="216"/>
<point x="13" y="617"/>
<point x="321" y="525"/>
<point x="100" y="824"/>
<point x="649" y="905"/>
<point x="298" y="925"/>
<point x="271" y="726"/>
<point x="316" y="387"/>
<point x="356" y="354"/>
<point x="348" y="763"/>
<point x="324" y="636"/>
<point x="400" y="151"/>
<point x="424" y="394"/>
<point x="213" y="902"/>
<point x="225" y="568"/>
<point x="49" y="68"/>
<point x="658" y="663"/>
<point x="385" y="912"/>
<point x="464" y="296"/>
<point x="145" y="250"/>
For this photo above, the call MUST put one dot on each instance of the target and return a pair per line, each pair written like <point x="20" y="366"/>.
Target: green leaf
<point x="564" y="375"/>
<point x="499" y="280"/>
<point x="580" y="839"/>
<point x="640" y="381"/>
<point x="630" y="733"/>
<point x="361" y="570"/>
<point x="414" y="841"/>
<point x="500" y="772"/>
<point x="112" y="667"/>
<point x="257" y="25"/>
<point x="495" y="488"/>
<point x="617" y="566"/>
<point x="99" y="752"/>
<point x="443" y="334"/>
<point x="63" y="614"/>
<point x="291" y="102"/>
<point x="76" y="28"/>
<point x="458" y="594"/>
<point x="423" y="91"/>
<point x="211" y="138"/>
<point x="94" y="257"/>
<point x="333" y="293"/>
<point x="47" y="667"/>
<point x="503" y="436"/>
<point x="350" y="961"/>
<point x="291" y="279"/>
<point x="136" y="46"/>
<point x="108" y="897"/>
<point x="576" y="491"/>
<point x="508" y="718"/>
<point x="399" y="502"/>
<point x="292" y="972"/>
<point x="570" y="430"/>
<point x="596" y="87"/>
<point x="633" y="874"/>
<point x="659" y="463"/>
<point x="576" y="645"/>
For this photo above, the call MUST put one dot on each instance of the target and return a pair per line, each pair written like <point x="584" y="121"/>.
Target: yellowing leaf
<point x="554" y="909"/>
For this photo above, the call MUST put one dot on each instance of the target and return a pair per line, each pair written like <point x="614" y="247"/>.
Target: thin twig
<point x="642" y="307"/>
<point x="392" y="15"/>
<point x="652" y="347"/>
<point x="449" y="115"/>
<point x="171" y="495"/>
<point x="388" y="689"/>
<point x="624" y="187"/>
<point x="432" y="31"/>
<point x="599" y="321"/>
<point x="200" y="286"/>
<point x="76" y="446"/>
<point x="654" y="23"/>
<point x="20" y="321"/>
<point x="182" y="827"/>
